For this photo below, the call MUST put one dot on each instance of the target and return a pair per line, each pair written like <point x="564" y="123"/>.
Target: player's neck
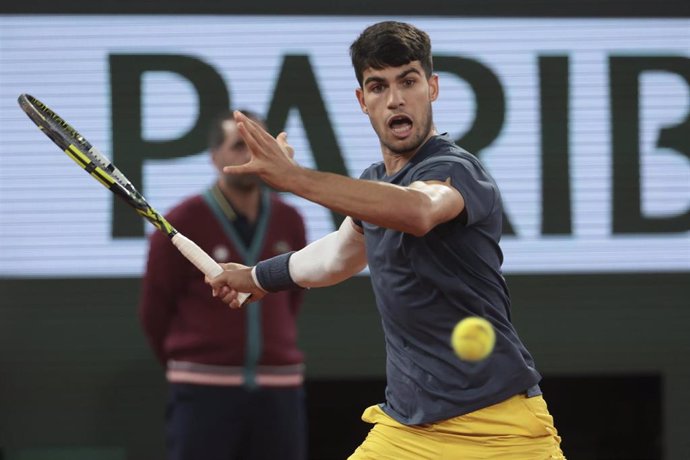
<point x="395" y="161"/>
<point x="244" y="200"/>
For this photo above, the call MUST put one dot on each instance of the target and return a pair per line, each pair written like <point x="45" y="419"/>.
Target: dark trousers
<point x="235" y="423"/>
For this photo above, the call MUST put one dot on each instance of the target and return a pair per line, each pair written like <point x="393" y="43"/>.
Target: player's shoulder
<point x="443" y="158"/>
<point x="445" y="155"/>
<point x="443" y="148"/>
<point x="374" y="171"/>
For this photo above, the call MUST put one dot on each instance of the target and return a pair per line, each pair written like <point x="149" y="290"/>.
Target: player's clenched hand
<point x="271" y="158"/>
<point x="234" y="279"/>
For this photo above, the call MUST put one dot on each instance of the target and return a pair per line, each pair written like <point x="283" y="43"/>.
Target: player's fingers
<point x="235" y="304"/>
<point x="287" y="148"/>
<point x="250" y="127"/>
<point x="255" y="133"/>
<point x="233" y="266"/>
<point x="246" y="168"/>
<point x="247" y="133"/>
<point x="214" y="289"/>
<point x="242" y="118"/>
<point x="218" y="282"/>
<point x="251" y="137"/>
<point x="255" y="128"/>
<point x="229" y="296"/>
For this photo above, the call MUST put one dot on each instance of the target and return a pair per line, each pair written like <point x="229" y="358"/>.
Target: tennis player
<point x="427" y="220"/>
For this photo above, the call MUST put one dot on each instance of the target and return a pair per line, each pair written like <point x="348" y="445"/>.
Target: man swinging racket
<point x="427" y="220"/>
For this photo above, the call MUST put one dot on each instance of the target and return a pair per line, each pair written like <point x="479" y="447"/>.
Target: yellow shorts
<point x="519" y="428"/>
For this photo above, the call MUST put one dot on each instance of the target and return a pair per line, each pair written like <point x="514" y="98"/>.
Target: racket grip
<point x="201" y="260"/>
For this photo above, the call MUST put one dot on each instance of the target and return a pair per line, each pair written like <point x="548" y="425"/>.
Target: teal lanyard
<point x="249" y="256"/>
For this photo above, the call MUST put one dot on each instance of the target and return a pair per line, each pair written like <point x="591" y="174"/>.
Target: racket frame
<point x="84" y="154"/>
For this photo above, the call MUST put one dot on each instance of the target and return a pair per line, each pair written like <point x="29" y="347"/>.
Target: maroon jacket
<point x="181" y="319"/>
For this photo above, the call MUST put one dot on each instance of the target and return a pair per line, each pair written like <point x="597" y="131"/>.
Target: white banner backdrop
<point x="56" y="222"/>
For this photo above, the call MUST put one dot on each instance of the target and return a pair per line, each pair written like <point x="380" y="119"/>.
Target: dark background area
<point x="629" y="431"/>
<point x="464" y="8"/>
<point x="613" y="349"/>
<point x="77" y="380"/>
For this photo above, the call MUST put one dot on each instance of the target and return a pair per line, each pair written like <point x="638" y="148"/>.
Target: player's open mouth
<point x="401" y="125"/>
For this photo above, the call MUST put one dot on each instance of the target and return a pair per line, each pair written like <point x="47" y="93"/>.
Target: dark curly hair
<point x="390" y="44"/>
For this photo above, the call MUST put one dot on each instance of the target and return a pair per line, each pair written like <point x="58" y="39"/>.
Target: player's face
<point x="398" y="103"/>
<point x="233" y="151"/>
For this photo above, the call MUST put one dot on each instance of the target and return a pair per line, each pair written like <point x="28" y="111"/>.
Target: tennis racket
<point x="104" y="171"/>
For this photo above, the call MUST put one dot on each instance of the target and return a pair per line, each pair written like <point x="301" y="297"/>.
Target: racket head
<point x="69" y="139"/>
<point x="84" y="154"/>
<point x="102" y="169"/>
<point x="52" y="125"/>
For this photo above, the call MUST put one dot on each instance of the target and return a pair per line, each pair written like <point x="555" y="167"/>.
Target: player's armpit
<point x="331" y="259"/>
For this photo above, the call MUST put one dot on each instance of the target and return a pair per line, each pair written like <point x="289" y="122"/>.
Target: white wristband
<point x="256" y="281"/>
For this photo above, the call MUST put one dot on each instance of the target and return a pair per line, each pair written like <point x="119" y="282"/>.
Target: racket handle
<point x="201" y="260"/>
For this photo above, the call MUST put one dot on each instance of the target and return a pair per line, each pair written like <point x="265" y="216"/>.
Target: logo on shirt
<point x="281" y="246"/>
<point x="221" y="254"/>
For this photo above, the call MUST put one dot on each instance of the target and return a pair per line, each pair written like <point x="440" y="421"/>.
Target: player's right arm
<point x="415" y="209"/>
<point x="326" y="261"/>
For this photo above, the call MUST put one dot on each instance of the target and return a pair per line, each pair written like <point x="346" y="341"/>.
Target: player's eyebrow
<point x="373" y="79"/>
<point x="405" y="73"/>
<point x="400" y="76"/>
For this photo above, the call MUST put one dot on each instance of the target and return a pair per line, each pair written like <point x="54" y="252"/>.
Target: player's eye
<point x="376" y="89"/>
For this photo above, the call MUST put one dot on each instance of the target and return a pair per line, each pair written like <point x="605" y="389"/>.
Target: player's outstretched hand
<point x="271" y="158"/>
<point x="234" y="279"/>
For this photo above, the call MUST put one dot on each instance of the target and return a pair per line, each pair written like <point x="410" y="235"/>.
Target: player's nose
<point x="395" y="98"/>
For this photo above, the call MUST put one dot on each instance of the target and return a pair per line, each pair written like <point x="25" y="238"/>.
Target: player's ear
<point x="360" y="98"/>
<point x="433" y="87"/>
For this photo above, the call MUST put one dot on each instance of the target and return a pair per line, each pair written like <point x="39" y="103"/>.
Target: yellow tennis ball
<point x="473" y="339"/>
